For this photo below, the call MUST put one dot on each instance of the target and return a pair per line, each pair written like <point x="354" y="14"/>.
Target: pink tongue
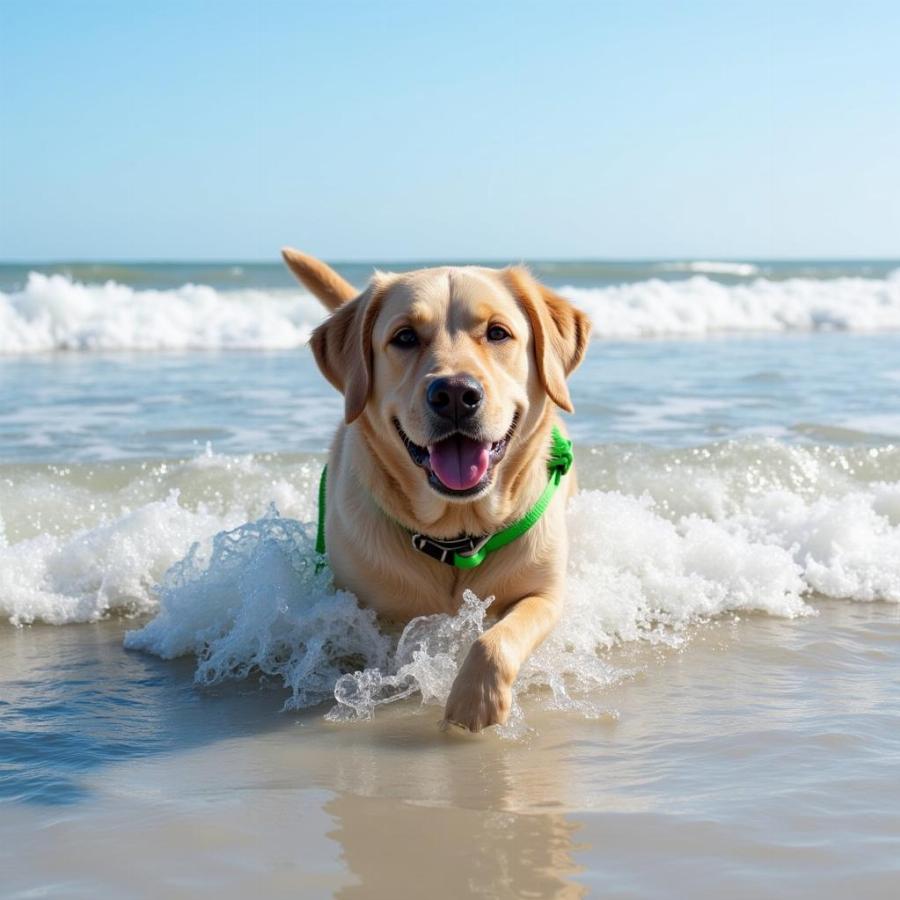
<point x="459" y="462"/>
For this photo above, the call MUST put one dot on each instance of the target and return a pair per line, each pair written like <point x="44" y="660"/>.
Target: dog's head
<point x="448" y="367"/>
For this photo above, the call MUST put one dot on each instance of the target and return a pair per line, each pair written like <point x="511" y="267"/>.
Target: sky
<point x="401" y="131"/>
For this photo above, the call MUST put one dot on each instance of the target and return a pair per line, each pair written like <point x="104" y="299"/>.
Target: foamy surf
<point x="55" y="313"/>
<point x="712" y="267"/>
<point x="661" y="541"/>
<point x="80" y="543"/>
<point x="699" y="306"/>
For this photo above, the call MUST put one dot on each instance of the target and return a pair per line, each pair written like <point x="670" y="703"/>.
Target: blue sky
<point x="376" y="130"/>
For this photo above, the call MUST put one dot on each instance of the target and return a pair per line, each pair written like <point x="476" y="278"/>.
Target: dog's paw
<point x="482" y="692"/>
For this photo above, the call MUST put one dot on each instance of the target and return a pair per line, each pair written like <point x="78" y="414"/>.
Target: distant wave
<point x="699" y="306"/>
<point x="712" y="267"/>
<point x="55" y="313"/>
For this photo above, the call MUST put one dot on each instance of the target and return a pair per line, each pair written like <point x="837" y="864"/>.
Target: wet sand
<point x="763" y="758"/>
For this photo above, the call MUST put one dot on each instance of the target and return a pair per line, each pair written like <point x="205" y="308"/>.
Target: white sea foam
<point x="712" y="267"/>
<point x="54" y="313"/>
<point x="699" y="306"/>
<point x="665" y="543"/>
<point x="69" y="553"/>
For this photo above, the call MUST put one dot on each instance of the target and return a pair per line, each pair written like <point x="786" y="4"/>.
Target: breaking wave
<point x="742" y="270"/>
<point x="220" y="551"/>
<point x="699" y="306"/>
<point x="55" y="313"/>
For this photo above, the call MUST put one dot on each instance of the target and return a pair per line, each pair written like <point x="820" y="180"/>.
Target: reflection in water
<point x="396" y="848"/>
<point x="455" y="814"/>
<point x="763" y="756"/>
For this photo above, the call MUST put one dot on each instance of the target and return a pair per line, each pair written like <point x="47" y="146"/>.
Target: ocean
<point x="186" y="705"/>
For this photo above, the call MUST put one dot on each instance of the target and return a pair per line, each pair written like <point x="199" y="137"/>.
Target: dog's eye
<point x="405" y="338"/>
<point x="497" y="334"/>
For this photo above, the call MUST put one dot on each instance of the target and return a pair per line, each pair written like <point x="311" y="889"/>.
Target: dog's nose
<point x="455" y="398"/>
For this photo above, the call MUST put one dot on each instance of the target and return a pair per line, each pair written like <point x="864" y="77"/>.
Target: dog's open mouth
<point x="458" y="464"/>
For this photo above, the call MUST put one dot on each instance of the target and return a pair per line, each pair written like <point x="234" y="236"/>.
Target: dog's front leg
<point x="482" y="691"/>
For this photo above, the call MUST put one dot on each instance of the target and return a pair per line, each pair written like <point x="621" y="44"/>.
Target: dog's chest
<point x="408" y="583"/>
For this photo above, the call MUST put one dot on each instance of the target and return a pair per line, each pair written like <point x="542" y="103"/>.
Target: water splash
<point x="256" y="604"/>
<point x="428" y="655"/>
<point x="672" y="539"/>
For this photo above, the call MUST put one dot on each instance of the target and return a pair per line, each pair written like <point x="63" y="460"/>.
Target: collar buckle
<point x="475" y="545"/>
<point x="446" y="550"/>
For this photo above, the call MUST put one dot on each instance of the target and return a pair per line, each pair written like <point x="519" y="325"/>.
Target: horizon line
<point x="450" y="260"/>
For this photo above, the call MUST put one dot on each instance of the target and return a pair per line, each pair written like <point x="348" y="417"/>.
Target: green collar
<point x="467" y="552"/>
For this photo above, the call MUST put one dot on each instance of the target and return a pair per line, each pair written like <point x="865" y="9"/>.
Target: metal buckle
<point x="443" y="551"/>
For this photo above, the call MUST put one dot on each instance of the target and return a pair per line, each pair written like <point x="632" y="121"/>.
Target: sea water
<point x="162" y="430"/>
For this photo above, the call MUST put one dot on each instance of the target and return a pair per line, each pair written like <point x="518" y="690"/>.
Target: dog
<point x="452" y="379"/>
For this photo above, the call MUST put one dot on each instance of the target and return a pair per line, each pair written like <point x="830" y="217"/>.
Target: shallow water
<point x="762" y="758"/>
<point x="838" y="389"/>
<point x="718" y="710"/>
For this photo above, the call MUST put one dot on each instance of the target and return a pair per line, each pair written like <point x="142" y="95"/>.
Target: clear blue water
<point x="843" y="389"/>
<point x="239" y="275"/>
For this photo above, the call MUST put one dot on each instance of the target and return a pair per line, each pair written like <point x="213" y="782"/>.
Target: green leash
<point x="467" y="552"/>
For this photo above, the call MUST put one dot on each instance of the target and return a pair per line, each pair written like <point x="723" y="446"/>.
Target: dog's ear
<point x="560" y="332"/>
<point x="320" y="279"/>
<point x="342" y="346"/>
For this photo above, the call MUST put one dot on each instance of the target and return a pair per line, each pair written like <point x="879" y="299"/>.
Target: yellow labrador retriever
<point x="450" y="452"/>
